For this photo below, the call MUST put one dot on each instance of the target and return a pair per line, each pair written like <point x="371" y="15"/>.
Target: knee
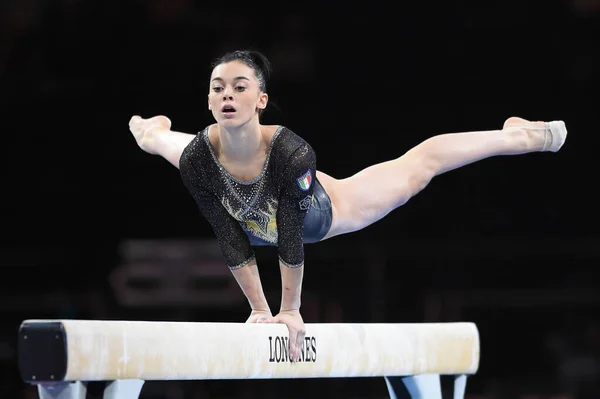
<point x="419" y="170"/>
<point x="420" y="180"/>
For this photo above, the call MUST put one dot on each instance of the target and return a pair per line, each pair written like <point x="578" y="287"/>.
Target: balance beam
<point x="77" y="351"/>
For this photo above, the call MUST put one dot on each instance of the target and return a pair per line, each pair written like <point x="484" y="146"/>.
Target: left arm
<point x="289" y="313"/>
<point x="297" y="186"/>
<point x="291" y="288"/>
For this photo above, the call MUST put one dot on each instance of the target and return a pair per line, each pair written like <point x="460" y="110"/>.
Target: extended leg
<point x="446" y="152"/>
<point x="372" y="193"/>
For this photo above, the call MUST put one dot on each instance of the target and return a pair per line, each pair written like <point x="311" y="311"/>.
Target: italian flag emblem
<point x="305" y="181"/>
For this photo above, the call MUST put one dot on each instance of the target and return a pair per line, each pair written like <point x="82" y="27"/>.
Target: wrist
<point x="261" y="310"/>
<point x="249" y="281"/>
<point x="290" y="301"/>
<point x="289" y="309"/>
<point x="257" y="299"/>
<point x="259" y="305"/>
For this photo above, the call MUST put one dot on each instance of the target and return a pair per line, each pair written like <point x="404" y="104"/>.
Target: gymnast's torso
<point x="284" y="205"/>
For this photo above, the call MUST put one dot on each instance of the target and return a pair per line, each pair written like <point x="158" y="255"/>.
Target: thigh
<point x="330" y="185"/>
<point x="372" y="193"/>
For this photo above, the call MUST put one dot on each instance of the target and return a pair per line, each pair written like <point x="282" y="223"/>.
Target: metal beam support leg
<point x="119" y="389"/>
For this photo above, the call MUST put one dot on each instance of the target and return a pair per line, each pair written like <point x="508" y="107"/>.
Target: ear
<point x="263" y="99"/>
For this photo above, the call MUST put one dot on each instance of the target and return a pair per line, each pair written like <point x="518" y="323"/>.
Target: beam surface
<point x="103" y="350"/>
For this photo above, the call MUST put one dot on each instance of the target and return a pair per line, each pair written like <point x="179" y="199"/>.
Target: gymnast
<point x="259" y="185"/>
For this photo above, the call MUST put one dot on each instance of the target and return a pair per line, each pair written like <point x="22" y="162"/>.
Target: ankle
<point x="525" y="140"/>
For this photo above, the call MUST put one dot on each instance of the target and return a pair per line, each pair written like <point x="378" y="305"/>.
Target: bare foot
<point x="142" y="129"/>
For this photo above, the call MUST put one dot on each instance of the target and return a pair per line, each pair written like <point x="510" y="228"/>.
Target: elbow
<point x="292" y="257"/>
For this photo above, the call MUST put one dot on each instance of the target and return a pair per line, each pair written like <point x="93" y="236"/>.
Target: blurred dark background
<point x="93" y="227"/>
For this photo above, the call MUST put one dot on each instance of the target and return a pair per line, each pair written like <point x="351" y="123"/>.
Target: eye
<point x="217" y="89"/>
<point x="240" y="88"/>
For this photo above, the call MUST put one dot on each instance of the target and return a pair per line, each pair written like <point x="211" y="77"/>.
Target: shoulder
<point x="210" y="136"/>
<point x="286" y="142"/>
<point x="198" y="142"/>
<point x="196" y="151"/>
<point x="293" y="157"/>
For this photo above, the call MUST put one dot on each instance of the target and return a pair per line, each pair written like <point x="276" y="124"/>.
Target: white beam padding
<point x="102" y="350"/>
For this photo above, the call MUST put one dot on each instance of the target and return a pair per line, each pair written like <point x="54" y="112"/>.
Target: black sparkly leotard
<point x="284" y="206"/>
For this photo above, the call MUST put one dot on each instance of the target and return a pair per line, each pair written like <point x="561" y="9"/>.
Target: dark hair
<point x="252" y="58"/>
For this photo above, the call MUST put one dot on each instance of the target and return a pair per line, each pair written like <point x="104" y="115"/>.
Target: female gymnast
<point x="259" y="185"/>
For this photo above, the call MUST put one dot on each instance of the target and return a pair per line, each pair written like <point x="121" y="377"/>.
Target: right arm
<point x="237" y="252"/>
<point x="249" y="281"/>
<point x="233" y="241"/>
<point x="154" y="135"/>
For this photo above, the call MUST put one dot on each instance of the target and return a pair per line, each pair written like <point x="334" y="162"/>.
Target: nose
<point x="227" y="94"/>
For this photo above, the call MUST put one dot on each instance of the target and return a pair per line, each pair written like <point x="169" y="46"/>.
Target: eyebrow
<point x="237" y="78"/>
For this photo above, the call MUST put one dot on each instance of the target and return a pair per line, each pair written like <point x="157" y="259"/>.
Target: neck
<point x="241" y="143"/>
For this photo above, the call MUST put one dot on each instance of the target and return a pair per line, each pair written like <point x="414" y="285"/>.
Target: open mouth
<point x="228" y="109"/>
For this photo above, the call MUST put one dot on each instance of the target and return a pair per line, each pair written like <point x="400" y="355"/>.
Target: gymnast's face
<point x="235" y="97"/>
